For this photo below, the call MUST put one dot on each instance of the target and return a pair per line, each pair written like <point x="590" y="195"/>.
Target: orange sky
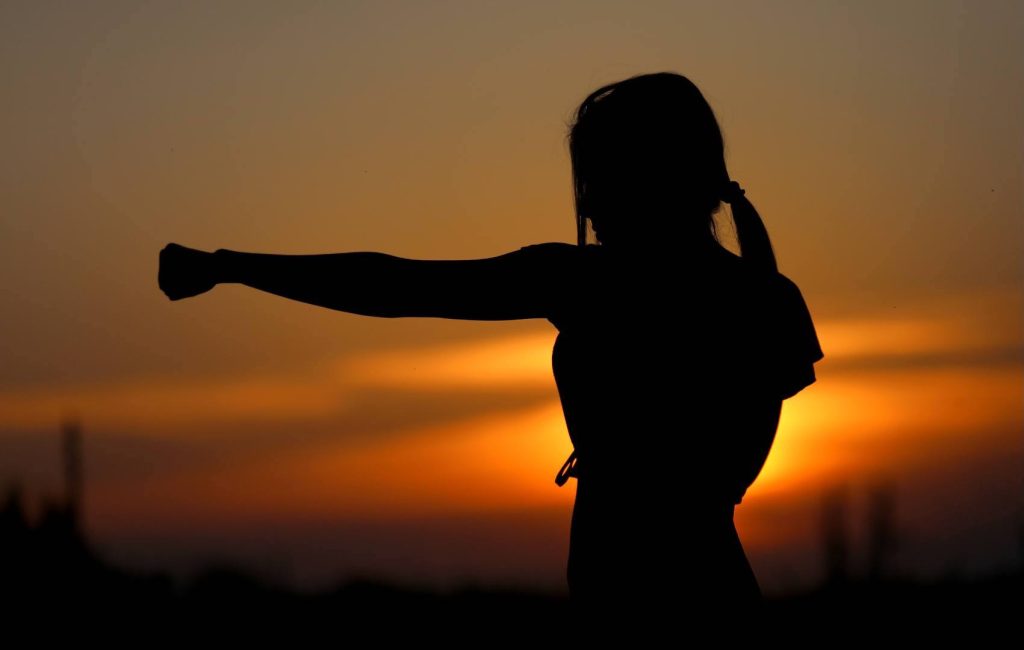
<point x="882" y="145"/>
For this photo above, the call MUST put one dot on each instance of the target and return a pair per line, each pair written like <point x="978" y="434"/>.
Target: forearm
<point x="357" y="282"/>
<point x="518" y="284"/>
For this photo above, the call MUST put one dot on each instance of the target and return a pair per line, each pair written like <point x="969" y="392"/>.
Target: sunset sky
<point x="882" y="142"/>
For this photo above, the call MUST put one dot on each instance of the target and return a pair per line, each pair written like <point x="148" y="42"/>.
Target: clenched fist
<point x="185" y="272"/>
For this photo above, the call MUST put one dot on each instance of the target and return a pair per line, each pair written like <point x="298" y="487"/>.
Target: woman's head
<point x="648" y="163"/>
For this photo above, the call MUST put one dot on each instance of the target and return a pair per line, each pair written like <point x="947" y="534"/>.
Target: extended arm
<point x="516" y="285"/>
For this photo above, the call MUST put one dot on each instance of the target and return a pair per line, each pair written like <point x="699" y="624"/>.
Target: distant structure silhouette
<point x="49" y="559"/>
<point x="74" y="480"/>
<point x="882" y="534"/>
<point x="673" y="355"/>
<point x="836" y="536"/>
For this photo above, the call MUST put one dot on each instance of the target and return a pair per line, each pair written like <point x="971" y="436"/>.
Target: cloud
<point x="510" y="362"/>
<point x="389" y="389"/>
<point x="492" y="372"/>
<point x="980" y="330"/>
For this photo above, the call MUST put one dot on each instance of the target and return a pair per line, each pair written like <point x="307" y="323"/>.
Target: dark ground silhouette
<point x="48" y="565"/>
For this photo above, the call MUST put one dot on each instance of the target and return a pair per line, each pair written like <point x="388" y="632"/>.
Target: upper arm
<point x="529" y="282"/>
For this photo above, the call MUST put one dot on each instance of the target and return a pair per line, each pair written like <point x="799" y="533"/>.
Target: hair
<point x="651" y="142"/>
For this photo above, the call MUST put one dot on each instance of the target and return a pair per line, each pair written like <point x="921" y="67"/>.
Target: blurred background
<point x="881" y="142"/>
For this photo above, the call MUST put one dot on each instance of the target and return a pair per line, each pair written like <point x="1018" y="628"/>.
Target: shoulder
<point x="551" y="248"/>
<point x="774" y="293"/>
<point x="788" y="291"/>
<point x="786" y="286"/>
<point x="768" y="285"/>
<point x="556" y="253"/>
<point x="771" y="291"/>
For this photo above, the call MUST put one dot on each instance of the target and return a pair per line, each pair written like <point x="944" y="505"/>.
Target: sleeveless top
<point x="673" y="369"/>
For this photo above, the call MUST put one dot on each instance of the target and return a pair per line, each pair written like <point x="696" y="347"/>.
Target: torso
<point x="649" y="363"/>
<point x="645" y="370"/>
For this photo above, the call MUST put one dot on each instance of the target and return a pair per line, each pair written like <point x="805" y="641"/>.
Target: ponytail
<point x="755" y="245"/>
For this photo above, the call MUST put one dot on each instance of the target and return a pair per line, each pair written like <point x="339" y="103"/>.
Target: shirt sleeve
<point x="795" y="345"/>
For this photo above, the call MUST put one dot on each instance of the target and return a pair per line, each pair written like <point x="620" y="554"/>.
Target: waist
<point x="652" y="482"/>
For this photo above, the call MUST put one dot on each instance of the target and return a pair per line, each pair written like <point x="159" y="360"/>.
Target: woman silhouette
<point x="673" y="355"/>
